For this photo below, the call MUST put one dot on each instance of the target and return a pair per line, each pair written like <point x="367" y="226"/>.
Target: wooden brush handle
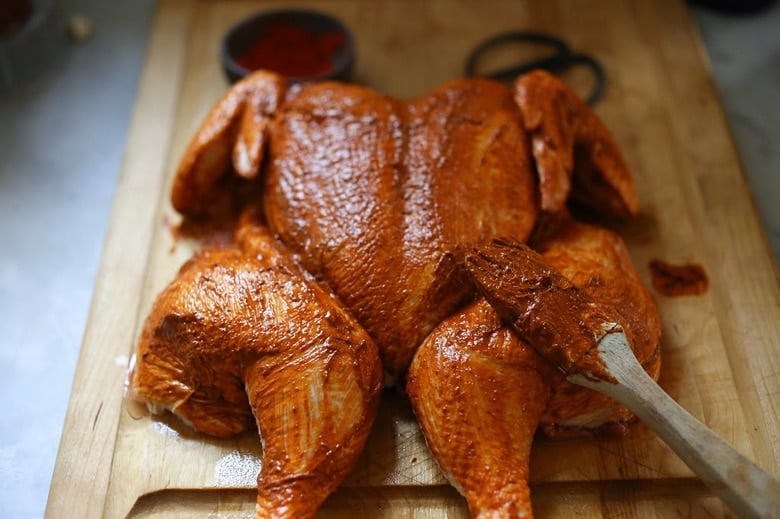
<point x="745" y="487"/>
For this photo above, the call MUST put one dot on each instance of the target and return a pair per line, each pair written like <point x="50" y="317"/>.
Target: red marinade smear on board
<point x="678" y="280"/>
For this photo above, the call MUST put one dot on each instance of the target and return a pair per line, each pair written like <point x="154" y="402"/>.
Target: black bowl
<point x="244" y="34"/>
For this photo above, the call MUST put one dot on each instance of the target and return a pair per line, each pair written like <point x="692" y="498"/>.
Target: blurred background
<point x="68" y="77"/>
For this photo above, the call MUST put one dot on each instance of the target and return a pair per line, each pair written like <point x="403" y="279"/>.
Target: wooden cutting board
<point x="720" y="350"/>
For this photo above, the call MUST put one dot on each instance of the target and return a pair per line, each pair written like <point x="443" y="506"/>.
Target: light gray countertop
<point x="62" y="137"/>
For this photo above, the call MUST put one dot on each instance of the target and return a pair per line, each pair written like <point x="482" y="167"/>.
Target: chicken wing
<point x="234" y="136"/>
<point x="569" y="140"/>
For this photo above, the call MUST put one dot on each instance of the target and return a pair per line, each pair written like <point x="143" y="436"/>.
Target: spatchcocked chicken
<point x="376" y="199"/>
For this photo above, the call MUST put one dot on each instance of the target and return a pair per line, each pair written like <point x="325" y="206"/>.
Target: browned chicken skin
<point x="379" y="198"/>
<point x="378" y="194"/>
<point x="479" y="392"/>
<point x="569" y="140"/>
<point x="242" y="332"/>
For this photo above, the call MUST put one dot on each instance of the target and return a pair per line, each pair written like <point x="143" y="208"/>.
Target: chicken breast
<point x="377" y="194"/>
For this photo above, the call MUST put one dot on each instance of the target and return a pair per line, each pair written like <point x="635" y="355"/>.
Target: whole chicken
<point x="379" y="197"/>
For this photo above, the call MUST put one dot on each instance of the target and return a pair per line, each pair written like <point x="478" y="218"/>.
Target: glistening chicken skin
<point x="379" y="197"/>
<point x="480" y="393"/>
<point x="377" y="194"/>
<point x="243" y="335"/>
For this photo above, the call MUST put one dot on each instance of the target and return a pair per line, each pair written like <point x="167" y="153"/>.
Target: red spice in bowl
<point x="300" y="45"/>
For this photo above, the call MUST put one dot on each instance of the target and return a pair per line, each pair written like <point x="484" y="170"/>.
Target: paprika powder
<point x="291" y="50"/>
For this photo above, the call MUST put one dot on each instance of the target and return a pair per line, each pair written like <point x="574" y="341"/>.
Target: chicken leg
<point x="479" y="393"/>
<point x="244" y="331"/>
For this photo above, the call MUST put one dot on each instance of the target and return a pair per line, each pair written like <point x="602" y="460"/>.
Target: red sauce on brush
<point x="292" y="51"/>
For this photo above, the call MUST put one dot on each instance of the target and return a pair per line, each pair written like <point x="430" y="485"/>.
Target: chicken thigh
<point x="243" y="335"/>
<point x="480" y="393"/>
<point x="597" y="262"/>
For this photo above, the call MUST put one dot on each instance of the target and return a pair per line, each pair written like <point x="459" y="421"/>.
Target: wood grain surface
<point x="720" y="349"/>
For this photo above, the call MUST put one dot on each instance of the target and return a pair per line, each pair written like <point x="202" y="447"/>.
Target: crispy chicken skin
<point x="243" y="335"/>
<point x="480" y="392"/>
<point x="378" y="194"/>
